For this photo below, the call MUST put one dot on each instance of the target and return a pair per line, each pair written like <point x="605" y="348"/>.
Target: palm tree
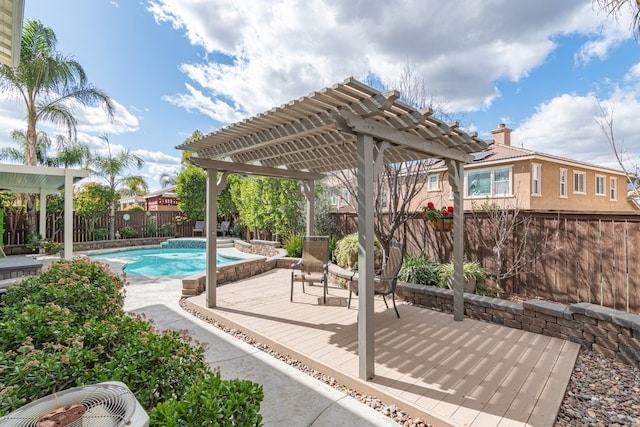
<point x="68" y="153"/>
<point x="71" y="153"/>
<point x="615" y="8"/>
<point x="46" y="81"/>
<point x="112" y="168"/>
<point x="17" y="154"/>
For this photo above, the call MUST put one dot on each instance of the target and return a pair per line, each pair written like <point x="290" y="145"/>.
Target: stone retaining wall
<point x="610" y="332"/>
<point x="238" y="270"/>
<point x="258" y="247"/>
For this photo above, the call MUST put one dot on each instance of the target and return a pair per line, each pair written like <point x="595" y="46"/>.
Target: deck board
<point x="448" y="373"/>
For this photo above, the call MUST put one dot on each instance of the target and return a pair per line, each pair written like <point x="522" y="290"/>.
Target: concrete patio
<point x="448" y="373"/>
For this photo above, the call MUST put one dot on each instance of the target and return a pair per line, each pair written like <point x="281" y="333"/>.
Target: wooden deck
<point x="446" y="372"/>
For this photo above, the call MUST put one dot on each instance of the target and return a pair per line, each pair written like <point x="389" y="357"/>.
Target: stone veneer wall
<point x="610" y="332"/>
<point x="258" y="247"/>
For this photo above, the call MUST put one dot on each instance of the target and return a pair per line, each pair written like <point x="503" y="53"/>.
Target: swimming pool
<point x="162" y="262"/>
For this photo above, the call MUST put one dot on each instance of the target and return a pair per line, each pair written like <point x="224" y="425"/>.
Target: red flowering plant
<point x="431" y="213"/>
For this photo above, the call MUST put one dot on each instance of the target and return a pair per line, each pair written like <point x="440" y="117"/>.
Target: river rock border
<point x="610" y="332"/>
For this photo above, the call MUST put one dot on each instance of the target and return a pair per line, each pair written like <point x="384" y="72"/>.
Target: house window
<point x="613" y="182"/>
<point x="502" y="182"/>
<point x="535" y="180"/>
<point x="344" y="198"/>
<point x="600" y="190"/>
<point x="384" y="198"/>
<point x="578" y="182"/>
<point x="433" y="183"/>
<point x="490" y="182"/>
<point x="563" y="183"/>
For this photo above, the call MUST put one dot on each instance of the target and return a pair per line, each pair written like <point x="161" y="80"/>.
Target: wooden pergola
<point x="346" y="126"/>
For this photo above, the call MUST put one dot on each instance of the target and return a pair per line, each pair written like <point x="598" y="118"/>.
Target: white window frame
<point x="583" y="176"/>
<point x="613" y="188"/>
<point x="508" y="193"/>
<point x="536" y="179"/>
<point x="344" y="197"/>
<point x="433" y="182"/>
<point x="563" y="183"/>
<point x="601" y="185"/>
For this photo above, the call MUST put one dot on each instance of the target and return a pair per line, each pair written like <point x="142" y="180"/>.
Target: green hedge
<point x="66" y="328"/>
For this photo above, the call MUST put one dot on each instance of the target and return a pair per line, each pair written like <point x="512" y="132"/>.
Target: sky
<point x="546" y="68"/>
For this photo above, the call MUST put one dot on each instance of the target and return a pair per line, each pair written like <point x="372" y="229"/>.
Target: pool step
<point x="196" y="243"/>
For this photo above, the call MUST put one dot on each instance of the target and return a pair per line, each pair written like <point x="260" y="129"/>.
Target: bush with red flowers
<point x="431" y="213"/>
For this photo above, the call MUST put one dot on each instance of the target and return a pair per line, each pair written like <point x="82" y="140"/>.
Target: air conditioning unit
<point x="107" y="404"/>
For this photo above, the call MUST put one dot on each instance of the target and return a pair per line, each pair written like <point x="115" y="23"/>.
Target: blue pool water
<point x="162" y="262"/>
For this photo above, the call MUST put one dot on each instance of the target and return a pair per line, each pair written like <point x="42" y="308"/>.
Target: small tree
<point x="112" y="168"/>
<point x="91" y="202"/>
<point x="268" y="205"/>
<point x="191" y="191"/>
<point x="398" y="188"/>
<point x="507" y="233"/>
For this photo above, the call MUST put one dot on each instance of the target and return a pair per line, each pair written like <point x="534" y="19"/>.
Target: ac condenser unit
<point x="108" y="404"/>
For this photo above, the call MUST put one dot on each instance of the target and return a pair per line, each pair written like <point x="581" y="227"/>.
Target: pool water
<point x="162" y="262"/>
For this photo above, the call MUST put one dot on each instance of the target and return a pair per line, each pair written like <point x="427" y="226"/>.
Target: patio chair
<point x="313" y="267"/>
<point x="199" y="227"/>
<point x="224" y="228"/>
<point x="384" y="283"/>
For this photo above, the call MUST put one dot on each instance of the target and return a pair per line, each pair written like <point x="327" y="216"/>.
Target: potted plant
<point x="439" y="219"/>
<point x="473" y="273"/>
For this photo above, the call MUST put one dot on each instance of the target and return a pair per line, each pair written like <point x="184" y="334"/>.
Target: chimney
<point x="502" y="135"/>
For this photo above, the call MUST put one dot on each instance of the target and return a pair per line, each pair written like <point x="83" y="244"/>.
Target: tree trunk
<point x="32" y="217"/>
<point x="112" y="221"/>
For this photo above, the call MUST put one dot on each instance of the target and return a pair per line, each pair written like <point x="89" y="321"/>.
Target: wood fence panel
<point x="607" y="268"/>
<point x="632" y="285"/>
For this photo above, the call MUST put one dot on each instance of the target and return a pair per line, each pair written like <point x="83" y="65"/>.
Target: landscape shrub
<point x="346" y="252"/>
<point x="420" y="270"/>
<point x="168" y="229"/>
<point x="66" y="328"/>
<point x="214" y="400"/>
<point x="293" y="245"/>
<point x="101" y="233"/>
<point x="128" y="232"/>
<point x="84" y="287"/>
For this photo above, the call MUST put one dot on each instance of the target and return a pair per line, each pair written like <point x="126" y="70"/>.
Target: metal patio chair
<point x="313" y="267"/>
<point x="385" y="283"/>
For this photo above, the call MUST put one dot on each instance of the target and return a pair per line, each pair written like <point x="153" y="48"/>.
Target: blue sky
<point x="172" y="67"/>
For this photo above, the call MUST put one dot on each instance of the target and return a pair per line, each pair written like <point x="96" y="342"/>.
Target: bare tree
<point x="616" y="8"/>
<point x="605" y="121"/>
<point x="505" y="233"/>
<point x="398" y="188"/>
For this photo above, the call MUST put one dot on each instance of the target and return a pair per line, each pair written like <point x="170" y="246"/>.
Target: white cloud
<point x="568" y="125"/>
<point x="280" y="50"/>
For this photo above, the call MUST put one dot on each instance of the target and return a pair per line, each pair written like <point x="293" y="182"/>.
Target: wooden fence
<point x="568" y="258"/>
<point x="146" y="224"/>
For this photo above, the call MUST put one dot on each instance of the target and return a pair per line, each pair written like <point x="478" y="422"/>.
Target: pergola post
<point x="68" y="213"/>
<point x="42" y="227"/>
<point x="456" y="180"/>
<point x="366" y="327"/>
<point x="308" y="189"/>
<point x="211" y="230"/>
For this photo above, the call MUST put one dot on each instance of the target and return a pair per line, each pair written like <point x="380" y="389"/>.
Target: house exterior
<point x="162" y="200"/>
<point x="512" y="177"/>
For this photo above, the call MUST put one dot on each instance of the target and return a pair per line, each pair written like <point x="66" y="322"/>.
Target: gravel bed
<point x="602" y="392"/>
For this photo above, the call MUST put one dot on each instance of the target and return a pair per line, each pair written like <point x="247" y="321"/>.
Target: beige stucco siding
<point x="549" y="197"/>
